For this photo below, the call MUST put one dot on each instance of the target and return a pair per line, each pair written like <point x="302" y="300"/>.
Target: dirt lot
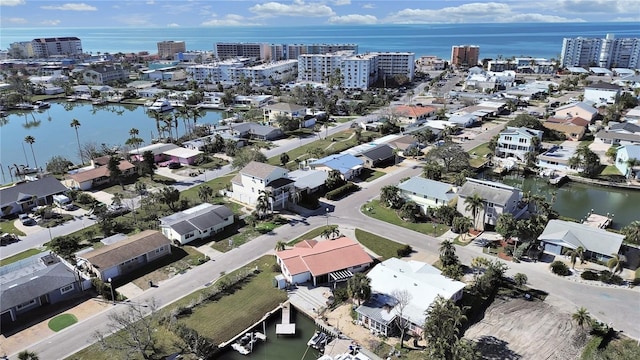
<point x="520" y="329"/>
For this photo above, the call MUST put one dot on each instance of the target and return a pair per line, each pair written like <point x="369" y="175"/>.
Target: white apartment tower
<point x="608" y="52"/>
<point x="46" y="47"/>
<point x="359" y="71"/>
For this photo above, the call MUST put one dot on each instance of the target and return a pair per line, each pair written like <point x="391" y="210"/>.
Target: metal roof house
<point x="598" y="244"/>
<point x="427" y="193"/>
<point x="198" y="222"/>
<point x="348" y="165"/>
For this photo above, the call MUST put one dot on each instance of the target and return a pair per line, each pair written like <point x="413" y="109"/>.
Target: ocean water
<point x="511" y="39"/>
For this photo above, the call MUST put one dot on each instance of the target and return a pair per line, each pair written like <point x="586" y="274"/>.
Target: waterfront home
<point x="557" y="159"/>
<point x="497" y="199"/>
<point x="198" y="222"/>
<point x="273" y="111"/>
<point x="164" y="153"/>
<point x="257" y="177"/>
<point x="322" y="262"/>
<point x="602" y="93"/>
<point x="409" y="114"/>
<point x="97" y="174"/>
<point x="579" y="109"/>
<point x="573" y="128"/>
<point x="625" y="163"/>
<point x="102" y="74"/>
<point x="39" y="280"/>
<point x="598" y="244"/>
<point x="122" y="257"/>
<point x="379" y="155"/>
<point x="348" y="165"/>
<point x="200" y="143"/>
<point x="620" y="134"/>
<point x="24" y="196"/>
<point x="421" y="282"/>
<point x="427" y="193"/>
<point x="251" y="130"/>
<point x="517" y="142"/>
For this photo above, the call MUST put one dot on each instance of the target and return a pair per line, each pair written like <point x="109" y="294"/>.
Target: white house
<point x="557" y="159"/>
<point x="598" y="243"/>
<point x="427" y="193"/>
<point x="516" y="142"/>
<point x="623" y="163"/>
<point x="620" y="134"/>
<point x="602" y="92"/>
<point x="257" y="177"/>
<point x="497" y="199"/>
<point x="421" y="282"/>
<point x="198" y="222"/>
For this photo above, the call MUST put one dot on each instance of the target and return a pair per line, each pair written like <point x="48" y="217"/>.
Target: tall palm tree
<point x="576" y="253"/>
<point x="76" y="124"/>
<point x="615" y="263"/>
<point x="30" y="140"/>
<point x="581" y="317"/>
<point x="448" y="254"/>
<point x="359" y="287"/>
<point x="474" y="203"/>
<point x="280" y="245"/>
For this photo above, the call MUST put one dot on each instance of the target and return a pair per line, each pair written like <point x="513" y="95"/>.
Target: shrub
<point x="608" y="277"/>
<point x="404" y="251"/>
<point x="340" y="295"/>
<point x="520" y="279"/>
<point x="589" y="275"/>
<point x="342" y="191"/>
<point x="560" y="268"/>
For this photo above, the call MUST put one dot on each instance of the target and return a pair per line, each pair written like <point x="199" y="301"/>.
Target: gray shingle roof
<point x="490" y="191"/>
<point x="136" y="245"/>
<point x="200" y="217"/>
<point x="573" y="235"/>
<point x="380" y="152"/>
<point x="430" y="188"/>
<point x="258" y="170"/>
<point x="39" y="188"/>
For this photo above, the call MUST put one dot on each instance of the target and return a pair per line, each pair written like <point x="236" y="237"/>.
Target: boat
<point x="24" y="170"/>
<point x="41" y="105"/>
<point x="245" y="344"/>
<point x="161" y="105"/>
<point x="99" y="102"/>
<point x="23" y="106"/>
<point x="318" y="340"/>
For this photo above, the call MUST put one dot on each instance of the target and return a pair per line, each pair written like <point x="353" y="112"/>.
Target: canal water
<point x="576" y="200"/>
<point x="281" y="347"/>
<point x="53" y="134"/>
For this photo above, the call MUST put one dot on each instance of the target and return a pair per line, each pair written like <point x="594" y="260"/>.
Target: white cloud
<point x="369" y="6"/>
<point x="627" y="19"/>
<point x="599" y="6"/>
<point x="537" y="18"/>
<point x="15" y="20"/>
<point x="50" y="22"/>
<point x="296" y="8"/>
<point x="11" y="2"/>
<point x="229" y="20"/>
<point x="341" y="2"/>
<point x="70" y="7"/>
<point x="173" y="25"/>
<point x="353" y="19"/>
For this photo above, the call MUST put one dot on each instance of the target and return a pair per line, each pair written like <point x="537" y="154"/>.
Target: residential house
<point x="156" y="149"/>
<point x="624" y="161"/>
<point x="379" y="155"/>
<point x="620" y="134"/>
<point x="307" y="180"/>
<point x="422" y="283"/>
<point x="255" y="178"/>
<point x="182" y="155"/>
<point x="348" y="165"/>
<point x="464" y="120"/>
<point x="198" y="222"/>
<point x="574" y="128"/>
<point x="497" y="199"/>
<point x="602" y="92"/>
<point x="405" y="142"/>
<point x="409" y="114"/>
<point x="34" y="282"/>
<point x="579" y="109"/>
<point x="256" y="131"/>
<point x="99" y="75"/>
<point x="598" y="244"/>
<point x="273" y="111"/>
<point x="557" y="159"/>
<point x="24" y="196"/>
<point x="427" y="193"/>
<point x="517" y="142"/>
<point x="322" y="262"/>
<point x="122" y="257"/>
<point x="87" y="179"/>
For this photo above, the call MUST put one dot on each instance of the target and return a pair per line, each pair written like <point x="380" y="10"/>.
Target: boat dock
<point x="286" y="327"/>
<point x="598" y="221"/>
<point x="249" y="329"/>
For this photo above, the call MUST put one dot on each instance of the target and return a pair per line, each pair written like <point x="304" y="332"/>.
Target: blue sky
<point x="220" y="13"/>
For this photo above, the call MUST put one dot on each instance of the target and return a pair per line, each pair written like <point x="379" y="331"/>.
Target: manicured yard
<point x="610" y="170"/>
<point x="389" y="215"/>
<point x="62" y="321"/>
<point x="17" y="257"/>
<point x="382" y="246"/>
<point x="308" y="235"/>
<point x="181" y="260"/>
<point x="369" y="175"/>
<point x="479" y="154"/>
<point x="6" y="226"/>
<point x="234" y="237"/>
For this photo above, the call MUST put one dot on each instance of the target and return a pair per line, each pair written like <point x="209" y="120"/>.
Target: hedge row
<point x="342" y="191"/>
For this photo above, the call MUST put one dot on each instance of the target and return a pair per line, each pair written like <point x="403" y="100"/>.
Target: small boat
<point x="161" y="105"/>
<point x="24" y="170"/>
<point x="245" y="344"/>
<point x="318" y="340"/>
<point x="24" y="106"/>
<point x="99" y="102"/>
<point x="40" y="105"/>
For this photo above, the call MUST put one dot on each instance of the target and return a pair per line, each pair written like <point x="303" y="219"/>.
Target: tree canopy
<point x="247" y="155"/>
<point x="451" y="156"/>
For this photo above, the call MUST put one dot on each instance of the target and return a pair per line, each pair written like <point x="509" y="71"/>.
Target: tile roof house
<point x="100" y="175"/>
<point x="24" y="196"/>
<point x="423" y="282"/>
<point x="573" y="128"/>
<point x="348" y="165"/>
<point x="379" y="155"/>
<point x="497" y="199"/>
<point x="517" y="142"/>
<point x="598" y="243"/>
<point x="198" y="222"/>
<point x="427" y="193"/>
<point x="256" y="177"/>
<point x="322" y="262"/>
<point x="124" y="256"/>
<point x="623" y="163"/>
<point x="410" y="114"/>
<point x="34" y="282"/>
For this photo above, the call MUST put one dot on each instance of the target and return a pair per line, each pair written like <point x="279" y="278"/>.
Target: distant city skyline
<point x="197" y="13"/>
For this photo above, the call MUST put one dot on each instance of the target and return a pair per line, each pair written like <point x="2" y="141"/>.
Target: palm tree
<point x="390" y="197"/>
<point x="204" y="192"/>
<point x="631" y="163"/>
<point x="330" y="232"/>
<point x="632" y="232"/>
<point x="76" y="124"/>
<point x="359" y="287"/>
<point x="576" y="253"/>
<point x="448" y="254"/>
<point x="280" y="245"/>
<point x="30" y="140"/>
<point x="28" y="355"/>
<point x="615" y="263"/>
<point x="581" y="317"/>
<point x="474" y="203"/>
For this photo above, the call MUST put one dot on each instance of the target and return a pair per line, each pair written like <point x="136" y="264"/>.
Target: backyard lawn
<point x="479" y="155"/>
<point x="382" y="246"/>
<point x="375" y="210"/>
<point x="17" y="257"/>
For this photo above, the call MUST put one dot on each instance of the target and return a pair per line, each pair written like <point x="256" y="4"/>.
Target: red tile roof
<point x="578" y="121"/>
<point x="323" y="257"/>
<point x="414" y="111"/>
<point x="99" y="172"/>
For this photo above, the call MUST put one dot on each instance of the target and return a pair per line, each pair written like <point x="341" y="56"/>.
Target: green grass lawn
<point x="308" y="235"/>
<point x="382" y="246"/>
<point x="610" y="170"/>
<point x="478" y="154"/>
<point x="62" y="321"/>
<point x="157" y="182"/>
<point x="7" y="226"/>
<point x="369" y="175"/>
<point x="389" y="215"/>
<point x="17" y="257"/>
<point x="239" y="236"/>
<point x="620" y="349"/>
<point x="216" y="185"/>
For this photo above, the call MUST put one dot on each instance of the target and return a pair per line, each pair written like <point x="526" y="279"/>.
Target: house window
<point x="160" y="249"/>
<point x="27" y="304"/>
<point x="66" y="289"/>
<point x="523" y="141"/>
<point x="188" y="236"/>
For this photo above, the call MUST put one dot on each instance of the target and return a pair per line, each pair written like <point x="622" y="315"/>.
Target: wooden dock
<point x="286" y="327"/>
<point x="598" y="221"/>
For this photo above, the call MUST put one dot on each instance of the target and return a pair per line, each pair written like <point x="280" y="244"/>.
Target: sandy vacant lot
<point x="519" y="329"/>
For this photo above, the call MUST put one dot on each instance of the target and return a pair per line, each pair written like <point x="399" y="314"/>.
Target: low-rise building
<point x="100" y="75"/>
<point x="23" y="197"/>
<point x="573" y="128"/>
<point x="272" y="112"/>
<point x="87" y="179"/>
<point x="517" y="142"/>
<point x="580" y="109"/>
<point x="602" y="93"/>
<point x="379" y="155"/>
<point x="410" y="114"/>
<point x="256" y="178"/>
<point x="620" y="134"/>
<point x="497" y="199"/>
<point x="348" y="165"/>
<point x="628" y="161"/>
<point x="255" y="131"/>
<point x="557" y="159"/>
<point x="427" y="193"/>
<point x="198" y="222"/>
<point x="598" y="244"/>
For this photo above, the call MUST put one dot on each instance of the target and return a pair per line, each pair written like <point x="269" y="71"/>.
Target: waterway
<point x="54" y="135"/>
<point x="576" y="200"/>
<point x="281" y="347"/>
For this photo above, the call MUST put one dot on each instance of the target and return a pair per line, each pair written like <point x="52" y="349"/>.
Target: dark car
<point x="174" y="165"/>
<point x="7" y="239"/>
<point x="25" y="219"/>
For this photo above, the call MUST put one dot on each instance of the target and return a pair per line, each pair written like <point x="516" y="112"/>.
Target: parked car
<point x="7" y="239"/>
<point x="25" y="219"/>
<point x="175" y="165"/>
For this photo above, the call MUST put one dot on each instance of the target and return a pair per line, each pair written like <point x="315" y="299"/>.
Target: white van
<point x="63" y="202"/>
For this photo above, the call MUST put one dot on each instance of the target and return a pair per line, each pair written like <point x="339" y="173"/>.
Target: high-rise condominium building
<point x="259" y="51"/>
<point x="167" y="49"/>
<point x="465" y="56"/>
<point x="46" y="47"/>
<point x="607" y="53"/>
